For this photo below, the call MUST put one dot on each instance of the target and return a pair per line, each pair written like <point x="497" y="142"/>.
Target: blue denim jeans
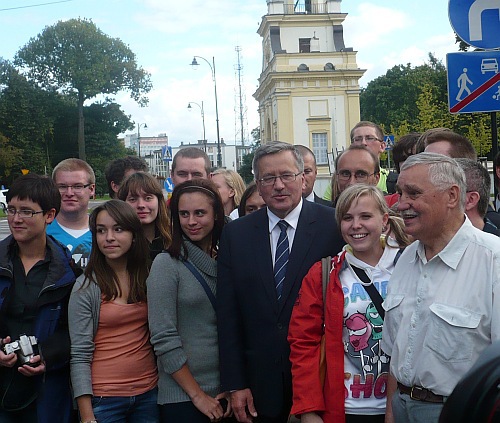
<point x="137" y="409"/>
<point x="406" y="410"/>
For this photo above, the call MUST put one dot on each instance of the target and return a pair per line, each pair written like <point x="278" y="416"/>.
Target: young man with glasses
<point x="75" y="181"/>
<point x="371" y="136"/>
<point x="36" y="279"/>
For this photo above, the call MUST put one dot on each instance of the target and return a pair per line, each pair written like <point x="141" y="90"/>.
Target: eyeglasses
<point x="75" y="188"/>
<point x="23" y="213"/>
<point x="368" y="138"/>
<point x="359" y="175"/>
<point x="285" y="178"/>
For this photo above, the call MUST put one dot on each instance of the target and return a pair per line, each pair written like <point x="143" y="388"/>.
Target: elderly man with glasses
<point x="262" y="260"/>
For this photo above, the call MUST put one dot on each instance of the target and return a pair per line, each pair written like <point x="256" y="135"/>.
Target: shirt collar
<point x="291" y="218"/>
<point x="310" y="197"/>
<point x="452" y="253"/>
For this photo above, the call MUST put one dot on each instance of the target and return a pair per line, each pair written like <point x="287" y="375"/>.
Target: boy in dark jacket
<point x="36" y="278"/>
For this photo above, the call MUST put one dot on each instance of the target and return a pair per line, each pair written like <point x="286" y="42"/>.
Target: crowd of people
<point x="259" y="303"/>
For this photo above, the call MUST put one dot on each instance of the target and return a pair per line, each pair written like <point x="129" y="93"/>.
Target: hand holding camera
<point x="25" y="352"/>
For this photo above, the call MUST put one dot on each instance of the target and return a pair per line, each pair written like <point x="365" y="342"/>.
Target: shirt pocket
<point x="451" y="332"/>
<point x="391" y="303"/>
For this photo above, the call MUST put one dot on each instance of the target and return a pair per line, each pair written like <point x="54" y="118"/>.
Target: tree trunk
<point x="81" y="128"/>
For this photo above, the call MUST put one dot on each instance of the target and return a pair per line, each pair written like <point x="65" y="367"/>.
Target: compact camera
<point x="26" y="347"/>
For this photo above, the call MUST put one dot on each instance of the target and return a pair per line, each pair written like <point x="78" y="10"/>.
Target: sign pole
<point x="494" y="133"/>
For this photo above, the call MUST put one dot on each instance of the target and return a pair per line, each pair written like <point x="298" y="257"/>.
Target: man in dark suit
<point x="254" y="297"/>
<point x="310" y="174"/>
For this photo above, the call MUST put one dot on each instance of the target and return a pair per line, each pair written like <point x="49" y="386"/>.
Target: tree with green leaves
<point x="246" y="166"/>
<point x="76" y="58"/>
<point x="408" y="99"/>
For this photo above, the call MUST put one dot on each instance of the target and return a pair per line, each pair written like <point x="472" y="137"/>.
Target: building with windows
<point x="309" y="86"/>
<point x="232" y="154"/>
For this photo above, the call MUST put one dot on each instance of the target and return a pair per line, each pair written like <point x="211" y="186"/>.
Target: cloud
<point x="371" y="25"/>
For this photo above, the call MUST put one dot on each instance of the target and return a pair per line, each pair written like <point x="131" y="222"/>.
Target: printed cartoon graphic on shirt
<point x="366" y="364"/>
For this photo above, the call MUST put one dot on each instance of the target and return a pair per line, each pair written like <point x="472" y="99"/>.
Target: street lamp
<point x="212" y="67"/>
<point x="139" y="136"/>
<point x="202" y="119"/>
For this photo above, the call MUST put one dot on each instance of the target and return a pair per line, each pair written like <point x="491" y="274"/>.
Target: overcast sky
<point x="165" y="35"/>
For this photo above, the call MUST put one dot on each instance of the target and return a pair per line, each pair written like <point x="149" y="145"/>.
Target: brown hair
<point x="100" y="272"/>
<point x="146" y="182"/>
<point x="204" y="186"/>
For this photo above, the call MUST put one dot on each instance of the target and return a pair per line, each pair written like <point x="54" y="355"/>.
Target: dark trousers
<point x="357" y="418"/>
<point x="26" y="415"/>
<point x="182" y="412"/>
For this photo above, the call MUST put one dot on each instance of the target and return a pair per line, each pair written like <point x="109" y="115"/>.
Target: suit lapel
<point x="263" y="256"/>
<point x="301" y="244"/>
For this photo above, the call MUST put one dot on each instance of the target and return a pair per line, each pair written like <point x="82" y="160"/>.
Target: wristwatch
<point x="89" y="421"/>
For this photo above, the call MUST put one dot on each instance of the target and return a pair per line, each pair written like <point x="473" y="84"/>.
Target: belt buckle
<point x="417" y="389"/>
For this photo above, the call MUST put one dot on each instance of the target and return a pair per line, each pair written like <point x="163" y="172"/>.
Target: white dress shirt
<point x="442" y="313"/>
<point x="291" y="218"/>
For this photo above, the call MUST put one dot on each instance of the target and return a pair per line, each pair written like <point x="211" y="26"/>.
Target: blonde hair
<point x="233" y="181"/>
<point x="354" y="192"/>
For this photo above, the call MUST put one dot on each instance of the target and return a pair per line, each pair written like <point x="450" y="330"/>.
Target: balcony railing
<point x="305" y="7"/>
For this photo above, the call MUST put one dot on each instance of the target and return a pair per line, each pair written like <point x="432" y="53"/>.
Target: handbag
<point x="326" y="264"/>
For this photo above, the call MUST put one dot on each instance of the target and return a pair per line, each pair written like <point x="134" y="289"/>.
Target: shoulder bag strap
<point x="326" y="265"/>
<point x="202" y="282"/>
<point x="372" y="291"/>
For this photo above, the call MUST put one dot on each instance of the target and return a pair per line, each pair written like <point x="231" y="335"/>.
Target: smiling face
<point x="145" y="205"/>
<point x="197" y="218"/>
<point x="423" y="207"/>
<point x="112" y="240"/>
<point x="361" y="228"/>
<point x="74" y="202"/>
<point x="281" y="198"/>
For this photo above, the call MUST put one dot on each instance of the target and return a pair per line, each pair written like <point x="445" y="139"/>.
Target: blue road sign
<point x="477" y="22"/>
<point x="169" y="185"/>
<point x="166" y="153"/>
<point x="389" y="142"/>
<point x="473" y="81"/>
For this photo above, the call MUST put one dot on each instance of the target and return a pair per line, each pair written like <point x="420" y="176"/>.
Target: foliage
<point x="38" y="129"/>
<point x="246" y="167"/>
<point x="408" y="99"/>
<point x="76" y="58"/>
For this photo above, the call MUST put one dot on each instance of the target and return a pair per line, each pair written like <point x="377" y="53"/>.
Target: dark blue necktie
<point x="281" y="258"/>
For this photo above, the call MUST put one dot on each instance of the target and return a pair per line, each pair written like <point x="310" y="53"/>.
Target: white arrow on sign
<point x="475" y="13"/>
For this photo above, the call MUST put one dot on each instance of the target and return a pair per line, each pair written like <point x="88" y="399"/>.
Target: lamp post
<point x="139" y="136"/>
<point x="202" y="119"/>
<point x="212" y="67"/>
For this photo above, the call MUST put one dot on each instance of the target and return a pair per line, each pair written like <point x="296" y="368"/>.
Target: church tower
<point x="309" y="86"/>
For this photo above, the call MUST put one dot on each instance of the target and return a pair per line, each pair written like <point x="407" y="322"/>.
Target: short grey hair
<point x="275" y="147"/>
<point x="444" y="172"/>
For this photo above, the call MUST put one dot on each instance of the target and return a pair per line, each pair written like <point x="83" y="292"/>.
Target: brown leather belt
<point x="421" y="394"/>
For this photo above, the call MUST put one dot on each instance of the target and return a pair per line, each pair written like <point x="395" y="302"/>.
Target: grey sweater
<point x="83" y="320"/>
<point x="183" y="324"/>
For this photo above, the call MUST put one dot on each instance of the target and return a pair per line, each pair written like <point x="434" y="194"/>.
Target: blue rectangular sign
<point x="473" y="81"/>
